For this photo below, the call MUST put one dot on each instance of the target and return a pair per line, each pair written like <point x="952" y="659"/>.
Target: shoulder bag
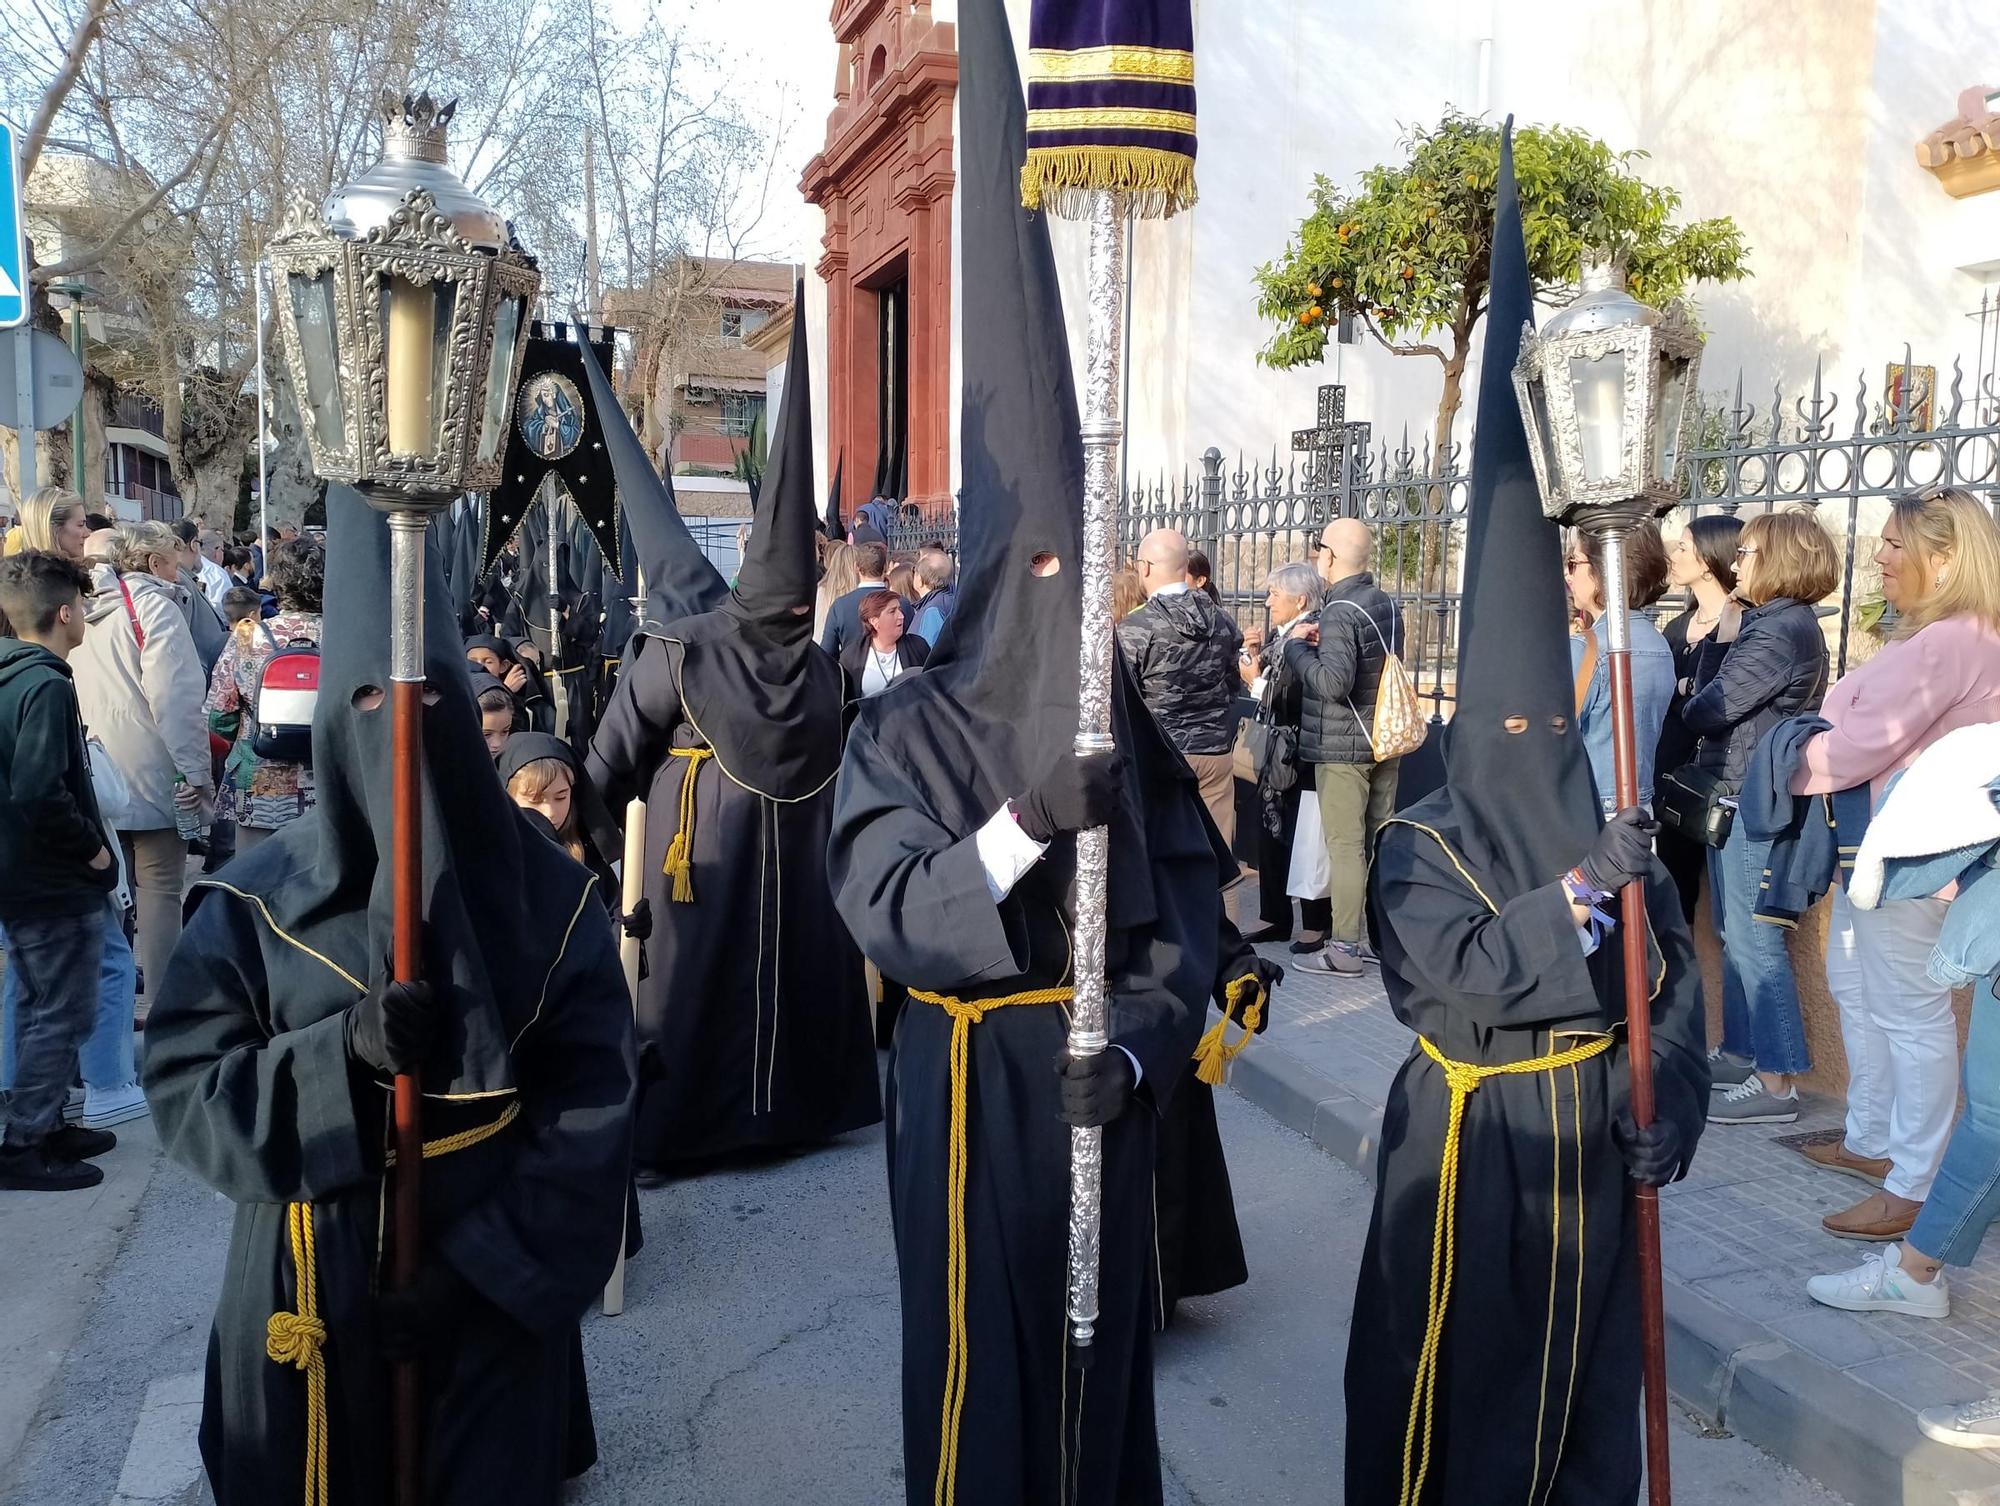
<point x="1399" y="726"/>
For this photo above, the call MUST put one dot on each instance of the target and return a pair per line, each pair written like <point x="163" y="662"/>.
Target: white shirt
<point x="1173" y="588"/>
<point x="880" y="670"/>
<point x="214" y="580"/>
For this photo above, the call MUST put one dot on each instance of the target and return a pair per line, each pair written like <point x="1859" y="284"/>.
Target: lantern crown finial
<point x="414" y="126"/>
<point x="1602" y="301"/>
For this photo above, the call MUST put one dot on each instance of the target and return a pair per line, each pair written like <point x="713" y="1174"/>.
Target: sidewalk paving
<point x="1833" y="1394"/>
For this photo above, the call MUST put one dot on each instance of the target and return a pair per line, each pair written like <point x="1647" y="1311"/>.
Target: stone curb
<point x="1729" y="1371"/>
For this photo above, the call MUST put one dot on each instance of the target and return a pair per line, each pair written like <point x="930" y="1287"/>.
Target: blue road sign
<point x="13" y="242"/>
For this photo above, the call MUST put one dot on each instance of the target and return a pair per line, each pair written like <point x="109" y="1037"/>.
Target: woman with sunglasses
<point x="1590" y="654"/>
<point x="1774" y="670"/>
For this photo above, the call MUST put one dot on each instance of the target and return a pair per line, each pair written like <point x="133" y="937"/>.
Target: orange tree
<point x="1406" y="252"/>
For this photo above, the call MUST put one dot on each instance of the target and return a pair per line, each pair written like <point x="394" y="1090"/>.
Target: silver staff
<point x="1102" y="431"/>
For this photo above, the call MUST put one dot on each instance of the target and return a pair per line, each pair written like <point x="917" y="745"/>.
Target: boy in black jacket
<point x="55" y="870"/>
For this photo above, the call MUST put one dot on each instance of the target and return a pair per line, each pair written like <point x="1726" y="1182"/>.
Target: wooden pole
<point x="1634" y="931"/>
<point x="633" y="878"/>
<point x="406" y="708"/>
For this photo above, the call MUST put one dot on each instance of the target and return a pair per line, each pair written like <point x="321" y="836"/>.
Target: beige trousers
<point x="156" y="866"/>
<point x="1217" y="775"/>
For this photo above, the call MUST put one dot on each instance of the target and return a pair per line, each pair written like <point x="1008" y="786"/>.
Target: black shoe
<point x="75" y="1143"/>
<point x="1307" y="948"/>
<point x="1268" y="933"/>
<point x="30" y="1168"/>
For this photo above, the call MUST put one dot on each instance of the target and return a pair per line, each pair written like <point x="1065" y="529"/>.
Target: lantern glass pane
<point x="1541" y="434"/>
<point x="499" y="392"/>
<point x="314" y="311"/>
<point x="416" y="349"/>
<point x="1670" y="404"/>
<point x="1597" y="384"/>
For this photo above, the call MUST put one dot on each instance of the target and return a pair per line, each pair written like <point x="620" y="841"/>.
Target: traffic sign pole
<point x="14" y="306"/>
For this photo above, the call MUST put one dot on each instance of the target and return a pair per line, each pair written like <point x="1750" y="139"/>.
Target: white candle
<point x="410" y="374"/>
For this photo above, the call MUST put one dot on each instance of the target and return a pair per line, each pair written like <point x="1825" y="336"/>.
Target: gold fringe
<point x="1060" y="179"/>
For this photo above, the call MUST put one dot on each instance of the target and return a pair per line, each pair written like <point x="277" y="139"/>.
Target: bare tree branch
<point x="69" y="266"/>
<point x="75" y="55"/>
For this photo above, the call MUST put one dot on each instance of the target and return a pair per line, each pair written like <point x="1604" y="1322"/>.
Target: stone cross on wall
<point x="1328" y="442"/>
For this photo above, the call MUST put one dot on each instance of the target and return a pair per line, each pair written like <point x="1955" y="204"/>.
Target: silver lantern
<point x="1605" y="387"/>
<point x="402" y="305"/>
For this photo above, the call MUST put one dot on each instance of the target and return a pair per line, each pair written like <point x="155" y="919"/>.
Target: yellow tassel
<point x="1214" y="1052"/>
<point x="1060" y="179"/>
<point x="680" y="852"/>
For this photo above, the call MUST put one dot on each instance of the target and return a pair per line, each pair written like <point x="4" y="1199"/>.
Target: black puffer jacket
<point x="1341" y="675"/>
<point x="1775" y="669"/>
<point x="1183" y="649"/>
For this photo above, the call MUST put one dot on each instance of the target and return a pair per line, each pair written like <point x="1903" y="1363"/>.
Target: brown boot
<point x="1876" y="1218"/>
<point x="1837" y="1157"/>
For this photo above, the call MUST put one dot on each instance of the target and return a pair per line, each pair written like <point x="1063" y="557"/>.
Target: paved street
<point x="756" y="1361"/>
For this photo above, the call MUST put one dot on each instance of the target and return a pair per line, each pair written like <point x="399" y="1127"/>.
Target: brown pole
<point x="1634" y="930"/>
<point x="406" y="708"/>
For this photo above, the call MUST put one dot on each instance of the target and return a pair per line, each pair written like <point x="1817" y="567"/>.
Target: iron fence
<point x="1842" y="456"/>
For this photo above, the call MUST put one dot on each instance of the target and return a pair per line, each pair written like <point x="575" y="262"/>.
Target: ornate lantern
<point x="402" y="309"/>
<point x="1605" y="388"/>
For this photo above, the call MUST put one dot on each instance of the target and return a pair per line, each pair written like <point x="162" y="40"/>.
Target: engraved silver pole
<point x="1101" y="434"/>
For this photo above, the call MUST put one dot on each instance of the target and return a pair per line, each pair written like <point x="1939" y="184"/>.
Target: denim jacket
<point x="1652" y="694"/>
<point x="1969" y="945"/>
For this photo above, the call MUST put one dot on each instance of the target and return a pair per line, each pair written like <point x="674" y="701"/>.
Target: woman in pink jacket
<point x="1940" y="560"/>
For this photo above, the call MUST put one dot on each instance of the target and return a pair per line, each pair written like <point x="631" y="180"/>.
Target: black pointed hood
<point x="1519" y="803"/>
<point x="752" y="681"/>
<point x="780" y="570"/>
<point x="325" y="880"/>
<point x="831" y="525"/>
<point x="679" y="579"/>
<point x="997" y="700"/>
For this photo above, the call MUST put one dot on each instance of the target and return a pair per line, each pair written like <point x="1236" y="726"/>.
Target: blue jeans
<point x="1965" y="1198"/>
<point x="1761" y="1018"/>
<point x="56" y="960"/>
<point x="105" y="1060"/>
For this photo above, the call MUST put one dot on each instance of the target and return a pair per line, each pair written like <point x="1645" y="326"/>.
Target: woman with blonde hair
<point x="54" y="519"/>
<point x="1940" y="560"/>
<point x="140" y="686"/>
<point x="842" y="574"/>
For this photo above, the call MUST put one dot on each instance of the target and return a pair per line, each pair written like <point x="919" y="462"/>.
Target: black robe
<point x="1538" y="1374"/>
<point x="917" y="899"/>
<point x="252" y="1089"/>
<point x="1197" y="1246"/>
<point x="754" y="997"/>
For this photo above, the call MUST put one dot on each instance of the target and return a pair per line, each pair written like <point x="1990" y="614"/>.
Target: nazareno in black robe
<point x="252" y="1090"/>
<point x="754" y="998"/>
<point x="1536" y="1390"/>
<point x="927" y="764"/>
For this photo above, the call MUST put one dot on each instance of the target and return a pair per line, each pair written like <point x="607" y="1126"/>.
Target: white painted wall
<point x="1800" y="120"/>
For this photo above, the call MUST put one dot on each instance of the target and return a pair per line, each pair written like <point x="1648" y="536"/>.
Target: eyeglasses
<point x="1744" y="554"/>
<point x="1570" y="567"/>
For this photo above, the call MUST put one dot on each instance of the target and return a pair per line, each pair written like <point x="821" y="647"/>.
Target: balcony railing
<point x="139" y="413"/>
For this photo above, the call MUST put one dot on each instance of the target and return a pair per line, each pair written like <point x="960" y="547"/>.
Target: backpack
<point x="287" y="690"/>
<point x="1399" y="715"/>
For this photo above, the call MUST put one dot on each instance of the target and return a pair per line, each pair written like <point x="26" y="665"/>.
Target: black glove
<point x="421" y="1317"/>
<point x="1270" y="975"/>
<point x="638" y="921"/>
<point x="1623" y="851"/>
<point x="1095" y="1089"/>
<point x="1075" y="794"/>
<point x="1653" y="1154"/>
<point x="391" y="1029"/>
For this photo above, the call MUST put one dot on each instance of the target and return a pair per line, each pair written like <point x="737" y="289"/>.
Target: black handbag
<point x="1695" y="803"/>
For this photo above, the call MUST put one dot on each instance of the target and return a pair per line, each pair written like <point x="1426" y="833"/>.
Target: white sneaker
<point x="114" y="1106"/>
<point x="1881" y="1285"/>
<point x="1974" y="1425"/>
<point x="73" y="1106"/>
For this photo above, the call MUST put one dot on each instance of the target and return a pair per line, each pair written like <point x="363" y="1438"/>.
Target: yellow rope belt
<point x="965" y="1013"/>
<point x="299" y="1338"/>
<point x="1213" y="1052"/>
<point x="1462" y="1078"/>
<point x="680" y="852"/>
